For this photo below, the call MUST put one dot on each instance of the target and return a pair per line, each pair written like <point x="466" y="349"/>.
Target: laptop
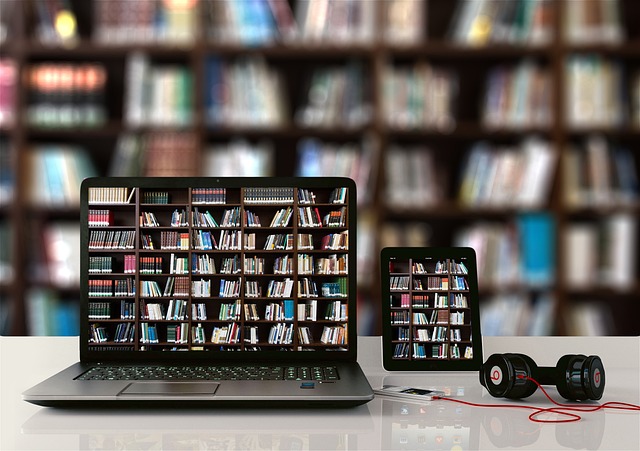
<point x="208" y="291"/>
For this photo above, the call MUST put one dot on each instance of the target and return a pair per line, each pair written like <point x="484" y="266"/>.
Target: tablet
<point x="430" y="309"/>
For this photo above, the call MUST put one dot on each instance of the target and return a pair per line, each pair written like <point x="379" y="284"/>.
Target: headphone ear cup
<point x="580" y="377"/>
<point x="530" y="369"/>
<point x="504" y="375"/>
<point x="496" y="375"/>
<point x="593" y="377"/>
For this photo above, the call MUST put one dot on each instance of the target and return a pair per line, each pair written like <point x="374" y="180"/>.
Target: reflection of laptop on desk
<point x="207" y="292"/>
<point x="196" y="429"/>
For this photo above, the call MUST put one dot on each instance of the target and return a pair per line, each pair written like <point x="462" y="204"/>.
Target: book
<point x="67" y="95"/>
<point x="498" y="249"/>
<point x="283" y="17"/>
<point x="581" y="256"/>
<point x="7" y="11"/>
<point x="593" y="22"/>
<point x="127" y="158"/>
<point x="508" y="176"/>
<point x="169" y="154"/>
<point x="7" y="172"/>
<point x="6" y="252"/>
<point x="404" y="22"/>
<point x="337" y="22"/>
<point x="56" y="23"/>
<point x="635" y="102"/>
<point x="595" y="94"/>
<point x="119" y="22"/>
<point x="337" y="97"/>
<point x="239" y="158"/>
<point x="620" y="254"/>
<point x="484" y="22"/>
<point x="537" y="244"/>
<point x="48" y="314"/>
<point x="178" y="22"/>
<point x="55" y="173"/>
<point x="591" y="318"/>
<point x="419" y="97"/>
<point x="8" y="80"/>
<point x="413" y="179"/>
<point x="157" y="94"/>
<point x="244" y="93"/>
<point x="518" y="96"/>
<point x="598" y="174"/>
<point x="250" y="23"/>
<point x="62" y="251"/>
<point x="354" y="160"/>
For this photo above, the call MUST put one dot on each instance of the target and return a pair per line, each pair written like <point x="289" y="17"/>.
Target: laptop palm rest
<point x="170" y="389"/>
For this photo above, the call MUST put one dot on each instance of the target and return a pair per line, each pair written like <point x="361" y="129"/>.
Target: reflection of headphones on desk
<point x="514" y="431"/>
<point x="577" y="377"/>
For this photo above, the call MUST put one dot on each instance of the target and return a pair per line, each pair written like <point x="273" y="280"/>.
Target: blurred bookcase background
<point x="509" y="126"/>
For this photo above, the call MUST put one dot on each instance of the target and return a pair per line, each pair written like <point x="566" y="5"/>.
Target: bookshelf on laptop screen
<point x="176" y="265"/>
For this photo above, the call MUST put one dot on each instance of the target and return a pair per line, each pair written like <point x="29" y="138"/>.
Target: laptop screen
<point x="221" y="267"/>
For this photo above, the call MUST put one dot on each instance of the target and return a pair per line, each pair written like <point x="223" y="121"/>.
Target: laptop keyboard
<point x="211" y="373"/>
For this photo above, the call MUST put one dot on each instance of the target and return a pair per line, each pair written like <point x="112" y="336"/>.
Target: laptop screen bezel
<point x="87" y="355"/>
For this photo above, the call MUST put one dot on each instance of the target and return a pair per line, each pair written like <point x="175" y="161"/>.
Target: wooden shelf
<point x="447" y="51"/>
<point x="295" y="62"/>
<point x="628" y="49"/>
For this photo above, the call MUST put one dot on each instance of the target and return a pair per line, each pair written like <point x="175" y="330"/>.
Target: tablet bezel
<point x="389" y="254"/>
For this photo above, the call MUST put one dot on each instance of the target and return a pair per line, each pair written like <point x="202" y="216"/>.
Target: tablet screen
<point x="431" y="318"/>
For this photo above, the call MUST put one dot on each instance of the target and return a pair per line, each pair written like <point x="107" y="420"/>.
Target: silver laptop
<point x="213" y="292"/>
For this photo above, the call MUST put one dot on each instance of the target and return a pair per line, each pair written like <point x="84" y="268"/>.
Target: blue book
<point x="53" y="161"/>
<point x="537" y="247"/>
<point x="627" y="177"/>
<point x="214" y="94"/>
<point x="288" y="309"/>
<point x="310" y="156"/>
<point x="257" y="23"/>
<point x="67" y="319"/>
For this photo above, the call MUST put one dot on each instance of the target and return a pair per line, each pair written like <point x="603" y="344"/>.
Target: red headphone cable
<point x="561" y="409"/>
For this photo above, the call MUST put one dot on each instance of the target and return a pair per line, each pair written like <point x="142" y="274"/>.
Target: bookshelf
<point x="217" y="269"/>
<point x="386" y="47"/>
<point x="430" y="310"/>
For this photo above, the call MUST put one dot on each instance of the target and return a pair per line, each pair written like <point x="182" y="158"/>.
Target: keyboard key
<point x="210" y="373"/>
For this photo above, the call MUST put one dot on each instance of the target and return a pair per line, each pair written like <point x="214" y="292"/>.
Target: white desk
<point x="380" y="424"/>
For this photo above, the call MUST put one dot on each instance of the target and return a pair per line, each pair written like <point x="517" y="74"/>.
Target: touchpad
<point x="170" y="388"/>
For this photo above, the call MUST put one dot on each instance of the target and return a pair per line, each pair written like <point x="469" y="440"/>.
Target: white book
<point x="580" y="255"/>
<point x="620" y="257"/>
<point x="539" y="165"/>
<point x="136" y="78"/>
<point x="159" y="96"/>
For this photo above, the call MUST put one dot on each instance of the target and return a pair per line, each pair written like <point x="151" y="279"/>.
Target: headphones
<point x="577" y="377"/>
